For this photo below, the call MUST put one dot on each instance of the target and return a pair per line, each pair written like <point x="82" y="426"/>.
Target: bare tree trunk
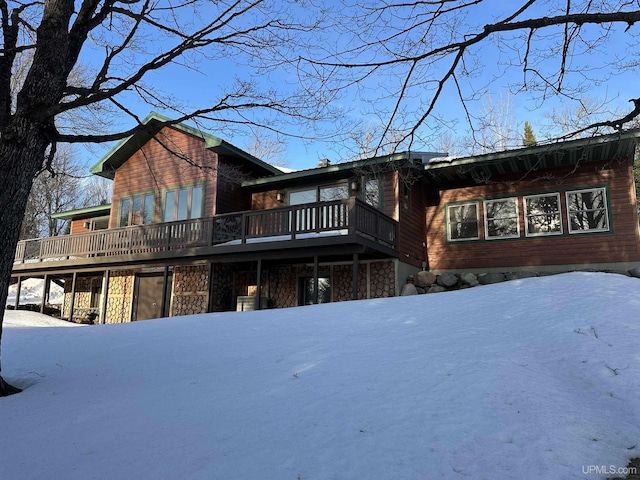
<point x="22" y="149"/>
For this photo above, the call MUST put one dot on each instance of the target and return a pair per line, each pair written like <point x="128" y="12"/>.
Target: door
<point x="148" y="296"/>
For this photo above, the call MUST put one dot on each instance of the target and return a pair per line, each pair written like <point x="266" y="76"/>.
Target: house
<point x="197" y="225"/>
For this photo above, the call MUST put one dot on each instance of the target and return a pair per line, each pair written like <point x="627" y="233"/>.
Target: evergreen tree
<point x="529" y="138"/>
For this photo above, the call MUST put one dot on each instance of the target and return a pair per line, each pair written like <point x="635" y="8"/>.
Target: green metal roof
<point x="151" y="125"/>
<point x="330" y="172"/>
<point x="558" y="154"/>
<point x="88" y="212"/>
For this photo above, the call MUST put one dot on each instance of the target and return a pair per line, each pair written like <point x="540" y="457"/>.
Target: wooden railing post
<point x="351" y="215"/>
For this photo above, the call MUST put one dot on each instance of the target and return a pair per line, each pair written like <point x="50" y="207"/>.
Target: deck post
<point x="105" y="296"/>
<point x="73" y="295"/>
<point x="165" y="284"/>
<point x="45" y="293"/>
<point x="210" y="287"/>
<point x="18" y="288"/>
<point x="315" y="279"/>
<point x="351" y="216"/>
<point x="354" y="295"/>
<point x="258" y="283"/>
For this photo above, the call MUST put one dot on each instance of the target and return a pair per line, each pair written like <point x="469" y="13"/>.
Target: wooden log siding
<point x="292" y="221"/>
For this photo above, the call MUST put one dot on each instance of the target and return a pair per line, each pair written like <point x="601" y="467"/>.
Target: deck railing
<point x="341" y="216"/>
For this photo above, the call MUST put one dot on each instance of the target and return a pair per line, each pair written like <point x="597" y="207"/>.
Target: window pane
<point x="183" y="204"/>
<point x="334" y="192"/>
<point x="125" y="206"/>
<point x="372" y="192"/>
<point x="587" y="211"/>
<point x="463" y="222"/>
<point x="169" y="207"/>
<point x="543" y="215"/>
<point x="147" y="215"/>
<point x="196" y="202"/>
<point x="303" y="196"/>
<point x="502" y="218"/>
<point x="136" y="211"/>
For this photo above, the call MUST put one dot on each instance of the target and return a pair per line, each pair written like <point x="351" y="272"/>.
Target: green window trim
<point x="521" y="203"/>
<point x="188" y="202"/>
<point x="146" y="209"/>
<point x="597" y="218"/>
<point x="462" y="221"/>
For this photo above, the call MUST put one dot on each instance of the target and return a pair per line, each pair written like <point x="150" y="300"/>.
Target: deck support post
<point x="315" y="279"/>
<point x="105" y="296"/>
<point x="73" y="295"/>
<point x="18" y="288"/>
<point x="210" y="287"/>
<point x="258" y="284"/>
<point x="165" y="285"/>
<point x="45" y="293"/>
<point x="354" y="295"/>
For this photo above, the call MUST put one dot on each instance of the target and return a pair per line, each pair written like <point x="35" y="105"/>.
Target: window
<point x="542" y="215"/>
<point x="463" y="221"/>
<point x="587" y="210"/>
<point x="372" y="192"/>
<point x="405" y="191"/>
<point x="325" y="193"/>
<point x="183" y="203"/>
<point x="306" y="290"/>
<point x="136" y="210"/>
<point x="501" y="218"/>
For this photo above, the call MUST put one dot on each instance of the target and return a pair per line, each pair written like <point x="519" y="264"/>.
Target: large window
<point x="136" y="210"/>
<point x="542" y="215"/>
<point x="326" y="193"/>
<point x="463" y="221"/>
<point x="501" y="218"/>
<point x="183" y="203"/>
<point x="587" y="210"/>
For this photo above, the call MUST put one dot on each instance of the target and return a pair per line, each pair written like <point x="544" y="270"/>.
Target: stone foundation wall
<point x="280" y="284"/>
<point x="282" y="287"/>
<point x="190" y="290"/>
<point x="430" y="282"/>
<point x="222" y="288"/>
<point x="120" y="299"/>
<point x="382" y="281"/>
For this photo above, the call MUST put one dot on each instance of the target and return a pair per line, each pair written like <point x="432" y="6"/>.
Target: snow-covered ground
<point x="531" y="379"/>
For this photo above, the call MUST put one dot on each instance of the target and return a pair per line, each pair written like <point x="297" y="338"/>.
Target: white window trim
<point x="449" y="222"/>
<point x="526" y="215"/>
<point x="606" y="210"/>
<point x="486" y="218"/>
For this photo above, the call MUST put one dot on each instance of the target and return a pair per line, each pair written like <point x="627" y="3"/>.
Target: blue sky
<point x="199" y="89"/>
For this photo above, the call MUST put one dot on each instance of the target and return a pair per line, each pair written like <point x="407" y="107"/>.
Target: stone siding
<point x="190" y="290"/>
<point x="120" y="299"/>
<point x="280" y="284"/>
<point x="222" y="288"/>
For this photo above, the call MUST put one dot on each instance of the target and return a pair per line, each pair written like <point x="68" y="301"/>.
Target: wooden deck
<point x="244" y="230"/>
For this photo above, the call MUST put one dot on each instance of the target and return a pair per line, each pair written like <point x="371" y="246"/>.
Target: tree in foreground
<point x="411" y="63"/>
<point x="66" y="65"/>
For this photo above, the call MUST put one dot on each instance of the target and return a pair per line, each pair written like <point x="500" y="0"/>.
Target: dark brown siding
<point x="619" y="245"/>
<point x="265" y="200"/>
<point x="411" y="233"/>
<point x="77" y="226"/>
<point x="155" y="167"/>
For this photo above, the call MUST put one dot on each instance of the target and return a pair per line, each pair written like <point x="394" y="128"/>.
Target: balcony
<point x="342" y="221"/>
